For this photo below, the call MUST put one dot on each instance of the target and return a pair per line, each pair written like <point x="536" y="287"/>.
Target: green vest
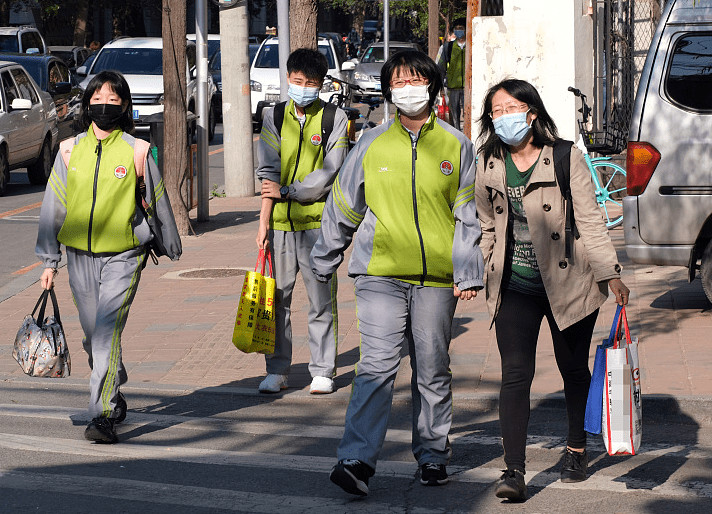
<point x="412" y="199"/>
<point x="456" y="67"/>
<point x="101" y="195"/>
<point x="301" y="153"/>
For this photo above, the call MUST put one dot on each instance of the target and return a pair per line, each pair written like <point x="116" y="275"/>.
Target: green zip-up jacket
<point x="410" y="204"/>
<point x="295" y="158"/>
<point x="91" y="201"/>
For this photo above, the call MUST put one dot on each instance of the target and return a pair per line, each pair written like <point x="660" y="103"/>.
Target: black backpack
<point x="562" y="168"/>
<point x="327" y="120"/>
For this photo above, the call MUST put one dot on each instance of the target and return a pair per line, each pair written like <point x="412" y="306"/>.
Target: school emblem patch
<point x="316" y="140"/>
<point x="120" y="172"/>
<point x="446" y="167"/>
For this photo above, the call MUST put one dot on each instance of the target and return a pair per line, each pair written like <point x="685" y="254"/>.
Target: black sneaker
<point x="511" y="486"/>
<point x="101" y="430"/>
<point x="120" y="409"/>
<point x="433" y="474"/>
<point x="574" y="467"/>
<point x="352" y="476"/>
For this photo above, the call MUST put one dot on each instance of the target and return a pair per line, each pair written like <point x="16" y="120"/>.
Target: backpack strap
<point x="278" y="115"/>
<point x="562" y="168"/>
<point x="449" y="50"/>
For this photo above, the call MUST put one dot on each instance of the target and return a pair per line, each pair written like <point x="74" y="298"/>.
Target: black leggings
<point x="517" y="327"/>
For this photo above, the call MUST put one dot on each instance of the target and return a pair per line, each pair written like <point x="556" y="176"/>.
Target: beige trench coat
<point x="574" y="289"/>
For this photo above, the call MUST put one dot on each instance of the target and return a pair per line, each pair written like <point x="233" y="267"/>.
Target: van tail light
<point x="641" y="160"/>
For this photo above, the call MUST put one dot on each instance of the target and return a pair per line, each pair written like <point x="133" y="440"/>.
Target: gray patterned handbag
<point x="40" y="347"/>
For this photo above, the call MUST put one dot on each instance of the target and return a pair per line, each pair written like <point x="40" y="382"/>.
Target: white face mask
<point x="410" y="100"/>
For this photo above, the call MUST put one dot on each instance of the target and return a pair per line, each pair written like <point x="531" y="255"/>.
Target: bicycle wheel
<point x="609" y="193"/>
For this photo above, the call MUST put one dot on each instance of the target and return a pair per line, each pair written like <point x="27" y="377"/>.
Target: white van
<point x="668" y="211"/>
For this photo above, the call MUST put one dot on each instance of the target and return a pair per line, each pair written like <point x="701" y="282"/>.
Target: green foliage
<point x="214" y="193"/>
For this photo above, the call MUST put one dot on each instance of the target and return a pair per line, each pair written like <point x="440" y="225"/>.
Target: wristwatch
<point x="284" y="191"/>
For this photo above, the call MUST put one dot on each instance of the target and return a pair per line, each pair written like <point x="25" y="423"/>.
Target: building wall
<point x="549" y="44"/>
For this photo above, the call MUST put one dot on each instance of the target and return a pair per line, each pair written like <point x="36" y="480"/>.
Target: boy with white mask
<point x="405" y="196"/>
<point x="297" y="168"/>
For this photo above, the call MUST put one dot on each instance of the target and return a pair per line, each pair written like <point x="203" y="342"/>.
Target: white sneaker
<point x="273" y="383"/>
<point x="321" y="385"/>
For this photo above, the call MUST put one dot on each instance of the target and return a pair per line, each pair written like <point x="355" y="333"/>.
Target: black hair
<point x="459" y="21"/>
<point x="417" y="63"/>
<point x="543" y="127"/>
<point x="312" y="63"/>
<point x="118" y="84"/>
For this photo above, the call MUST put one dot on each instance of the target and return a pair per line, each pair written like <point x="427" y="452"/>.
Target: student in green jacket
<point x="405" y="195"/>
<point x="91" y="206"/>
<point x="451" y="59"/>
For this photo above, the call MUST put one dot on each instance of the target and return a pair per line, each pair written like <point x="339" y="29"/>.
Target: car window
<point x="373" y="54"/>
<point x="130" y="61"/>
<point x="268" y="57"/>
<point x="190" y="56"/>
<point x="8" y="86"/>
<point x="8" y="43"/>
<point x="36" y="69"/>
<point x="326" y="50"/>
<point x="215" y="61"/>
<point x="213" y="46"/>
<point x="58" y="72"/>
<point x="31" y="42"/>
<point x="689" y="78"/>
<point x="24" y="86"/>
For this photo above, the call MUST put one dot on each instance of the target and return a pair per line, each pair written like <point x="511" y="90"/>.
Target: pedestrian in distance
<point x="103" y="183"/>
<point x="522" y="211"/>
<point x="406" y="196"/>
<point x="297" y="163"/>
<point x="451" y="58"/>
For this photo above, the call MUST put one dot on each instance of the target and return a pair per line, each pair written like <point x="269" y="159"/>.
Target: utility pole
<point x="237" y="117"/>
<point x="201" y="43"/>
<point x="386" y="46"/>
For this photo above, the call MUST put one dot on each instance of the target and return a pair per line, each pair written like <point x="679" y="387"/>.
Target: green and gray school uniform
<point x="90" y="206"/>
<point x="295" y="157"/>
<point x="407" y="200"/>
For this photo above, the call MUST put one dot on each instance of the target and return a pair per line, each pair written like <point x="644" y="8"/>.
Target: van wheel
<point x="4" y="172"/>
<point x="706" y="271"/>
<point x="38" y="172"/>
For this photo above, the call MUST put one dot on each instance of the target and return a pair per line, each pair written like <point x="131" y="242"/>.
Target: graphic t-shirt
<point x="524" y="275"/>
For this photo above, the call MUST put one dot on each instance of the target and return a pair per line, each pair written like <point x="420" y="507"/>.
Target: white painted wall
<point x="549" y="43"/>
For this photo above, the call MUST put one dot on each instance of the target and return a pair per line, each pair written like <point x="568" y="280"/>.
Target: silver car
<point x="367" y="74"/>
<point x="28" y="126"/>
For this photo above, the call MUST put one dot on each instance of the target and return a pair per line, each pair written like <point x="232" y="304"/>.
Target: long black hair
<point x="118" y="84"/>
<point x="417" y="63"/>
<point x="543" y="127"/>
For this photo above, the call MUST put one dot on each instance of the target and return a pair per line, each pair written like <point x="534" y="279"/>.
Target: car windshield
<point x="213" y="46"/>
<point x="375" y="53"/>
<point x="215" y="61"/>
<point x="130" y="61"/>
<point x="9" y="44"/>
<point x="268" y="57"/>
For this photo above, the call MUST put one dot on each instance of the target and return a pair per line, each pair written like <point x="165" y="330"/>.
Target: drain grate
<point x="212" y="273"/>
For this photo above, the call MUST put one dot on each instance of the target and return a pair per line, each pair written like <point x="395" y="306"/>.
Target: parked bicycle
<point x="343" y="97"/>
<point x="607" y="176"/>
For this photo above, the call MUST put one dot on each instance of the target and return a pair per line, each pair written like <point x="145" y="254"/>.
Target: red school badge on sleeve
<point x="120" y="171"/>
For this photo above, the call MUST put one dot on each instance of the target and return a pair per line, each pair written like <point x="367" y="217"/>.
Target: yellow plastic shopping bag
<point x="254" y="325"/>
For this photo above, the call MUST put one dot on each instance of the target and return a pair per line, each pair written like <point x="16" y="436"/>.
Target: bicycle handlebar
<point x="576" y="92"/>
<point x="344" y="83"/>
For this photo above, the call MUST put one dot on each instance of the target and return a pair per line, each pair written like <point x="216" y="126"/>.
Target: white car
<point x="265" y="79"/>
<point x="140" y="60"/>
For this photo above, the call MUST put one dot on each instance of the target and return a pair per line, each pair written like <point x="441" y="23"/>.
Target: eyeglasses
<point x="509" y="109"/>
<point x="415" y="81"/>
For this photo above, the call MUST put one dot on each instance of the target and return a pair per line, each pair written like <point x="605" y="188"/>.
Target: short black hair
<point x="543" y="127"/>
<point x="417" y="63"/>
<point x="459" y="21"/>
<point x="312" y="63"/>
<point x="118" y="84"/>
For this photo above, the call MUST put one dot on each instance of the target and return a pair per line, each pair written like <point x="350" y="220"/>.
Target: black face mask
<point x="106" y="116"/>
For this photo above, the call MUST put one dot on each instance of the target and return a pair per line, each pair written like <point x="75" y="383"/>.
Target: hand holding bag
<point x="40" y="346"/>
<point x="254" y="324"/>
<point x="622" y="425"/>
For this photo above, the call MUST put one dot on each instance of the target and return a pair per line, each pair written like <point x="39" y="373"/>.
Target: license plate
<point x="271" y="97"/>
<point x="135" y="114"/>
<point x="377" y="86"/>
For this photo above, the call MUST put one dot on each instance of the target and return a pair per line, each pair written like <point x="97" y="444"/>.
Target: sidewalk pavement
<point x="179" y="329"/>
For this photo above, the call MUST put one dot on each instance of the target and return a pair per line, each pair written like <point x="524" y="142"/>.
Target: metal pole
<point x="237" y="117"/>
<point x="201" y="43"/>
<point x="386" y="46"/>
<point x="284" y="50"/>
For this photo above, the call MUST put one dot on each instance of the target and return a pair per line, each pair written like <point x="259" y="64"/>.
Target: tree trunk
<point x="4" y="13"/>
<point x="302" y="23"/>
<point x="80" y="25"/>
<point x="175" y="128"/>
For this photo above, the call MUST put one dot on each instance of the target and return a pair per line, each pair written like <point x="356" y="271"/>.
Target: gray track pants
<point x="290" y="251"/>
<point x="391" y="313"/>
<point x="103" y="287"/>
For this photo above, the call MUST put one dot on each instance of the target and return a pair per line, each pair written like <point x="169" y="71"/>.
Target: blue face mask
<point x="302" y="96"/>
<point x="512" y="128"/>
<point x="459" y="34"/>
